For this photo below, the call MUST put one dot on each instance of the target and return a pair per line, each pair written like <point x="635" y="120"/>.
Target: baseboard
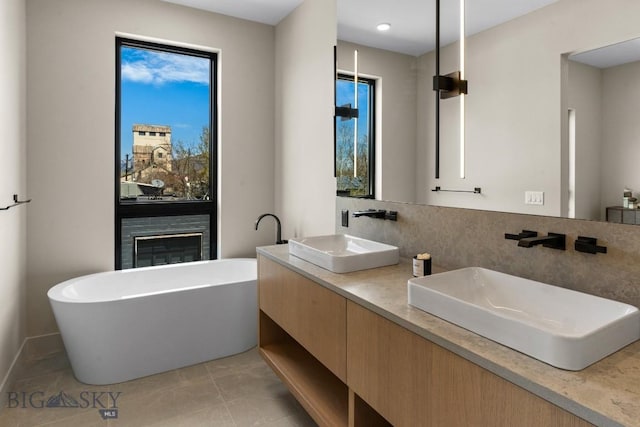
<point x="32" y="348"/>
<point x="10" y="378"/>
<point x="43" y="346"/>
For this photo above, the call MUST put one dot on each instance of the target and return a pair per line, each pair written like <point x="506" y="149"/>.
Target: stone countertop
<point x="606" y="393"/>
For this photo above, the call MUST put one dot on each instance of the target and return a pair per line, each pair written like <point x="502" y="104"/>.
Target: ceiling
<point x="412" y="22"/>
<point x="610" y="56"/>
<point x="265" y="11"/>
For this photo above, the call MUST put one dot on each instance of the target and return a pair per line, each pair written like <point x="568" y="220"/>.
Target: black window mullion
<point x="347" y="112"/>
<point x="128" y="209"/>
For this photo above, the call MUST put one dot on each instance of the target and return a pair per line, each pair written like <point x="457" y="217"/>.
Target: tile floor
<point x="235" y="391"/>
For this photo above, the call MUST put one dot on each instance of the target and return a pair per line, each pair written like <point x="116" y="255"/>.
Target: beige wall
<point x="305" y="185"/>
<point x="396" y="97"/>
<point x="621" y="134"/>
<point x="71" y="55"/>
<point x="585" y="98"/>
<point x="514" y="111"/>
<point x="606" y="103"/>
<point x="12" y="181"/>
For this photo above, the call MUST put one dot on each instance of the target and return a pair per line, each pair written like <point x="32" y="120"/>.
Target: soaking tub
<point x="121" y="325"/>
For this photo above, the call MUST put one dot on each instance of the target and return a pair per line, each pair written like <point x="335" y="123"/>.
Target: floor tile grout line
<point x="248" y="364"/>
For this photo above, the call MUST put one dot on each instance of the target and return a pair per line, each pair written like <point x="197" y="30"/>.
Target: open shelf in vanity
<point x="319" y="391"/>
<point x="303" y="337"/>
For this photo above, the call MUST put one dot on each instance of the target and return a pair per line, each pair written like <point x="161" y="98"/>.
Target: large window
<point x="355" y="146"/>
<point x="165" y="144"/>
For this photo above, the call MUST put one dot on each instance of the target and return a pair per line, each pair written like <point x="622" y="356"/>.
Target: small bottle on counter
<point x="626" y="196"/>
<point x="422" y="265"/>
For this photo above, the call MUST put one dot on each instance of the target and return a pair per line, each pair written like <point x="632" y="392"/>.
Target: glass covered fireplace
<point x="161" y="240"/>
<point x="167" y="249"/>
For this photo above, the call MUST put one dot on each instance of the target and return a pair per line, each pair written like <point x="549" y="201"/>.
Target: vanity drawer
<point x="411" y="381"/>
<point x="312" y="315"/>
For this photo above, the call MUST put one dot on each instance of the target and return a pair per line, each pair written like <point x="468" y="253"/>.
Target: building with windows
<point x="151" y="150"/>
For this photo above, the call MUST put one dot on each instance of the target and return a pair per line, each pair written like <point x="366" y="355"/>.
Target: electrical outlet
<point x="534" y="197"/>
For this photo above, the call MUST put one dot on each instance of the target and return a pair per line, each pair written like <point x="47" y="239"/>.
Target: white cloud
<point x="143" y="66"/>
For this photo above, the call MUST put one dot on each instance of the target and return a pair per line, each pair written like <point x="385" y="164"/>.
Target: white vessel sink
<point x="342" y="253"/>
<point x="564" y="328"/>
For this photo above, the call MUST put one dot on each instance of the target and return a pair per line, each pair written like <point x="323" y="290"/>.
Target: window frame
<point x="147" y="209"/>
<point x="371" y="130"/>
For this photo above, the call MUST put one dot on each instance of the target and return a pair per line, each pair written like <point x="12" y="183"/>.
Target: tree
<point x="359" y="184"/>
<point x="191" y="166"/>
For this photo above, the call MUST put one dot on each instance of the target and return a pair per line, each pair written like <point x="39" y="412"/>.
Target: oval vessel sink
<point x="564" y="328"/>
<point x="341" y="253"/>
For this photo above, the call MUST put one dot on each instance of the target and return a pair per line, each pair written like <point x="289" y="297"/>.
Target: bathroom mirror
<point x="601" y="94"/>
<point x="517" y="112"/>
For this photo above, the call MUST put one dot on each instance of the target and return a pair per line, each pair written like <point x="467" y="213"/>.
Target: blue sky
<point x="159" y="88"/>
<point x="344" y="95"/>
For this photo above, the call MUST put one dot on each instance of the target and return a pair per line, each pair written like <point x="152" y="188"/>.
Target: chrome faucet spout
<point x="279" y="240"/>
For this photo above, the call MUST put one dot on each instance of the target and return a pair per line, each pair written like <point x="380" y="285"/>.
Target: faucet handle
<point x="589" y="245"/>
<point x="523" y="235"/>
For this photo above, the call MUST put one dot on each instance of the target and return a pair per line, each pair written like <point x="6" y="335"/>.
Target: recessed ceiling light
<point x="383" y="26"/>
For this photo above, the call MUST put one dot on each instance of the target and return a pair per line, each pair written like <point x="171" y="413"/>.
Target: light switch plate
<point x="534" y="197"/>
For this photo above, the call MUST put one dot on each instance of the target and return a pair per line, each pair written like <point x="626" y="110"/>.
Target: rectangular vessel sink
<point x="342" y="253"/>
<point x="564" y="328"/>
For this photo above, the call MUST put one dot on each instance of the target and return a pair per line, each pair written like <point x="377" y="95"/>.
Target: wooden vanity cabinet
<point x="413" y="382"/>
<point x="302" y="336"/>
<point x="349" y="366"/>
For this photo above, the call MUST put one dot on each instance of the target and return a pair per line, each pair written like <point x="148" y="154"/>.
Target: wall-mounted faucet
<point x="279" y="240"/>
<point x="553" y="241"/>
<point x="377" y="213"/>
<point x="589" y="245"/>
<point x="523" y="235"/>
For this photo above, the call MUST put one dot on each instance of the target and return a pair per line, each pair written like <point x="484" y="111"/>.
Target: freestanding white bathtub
<point x="121" y="325"/>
